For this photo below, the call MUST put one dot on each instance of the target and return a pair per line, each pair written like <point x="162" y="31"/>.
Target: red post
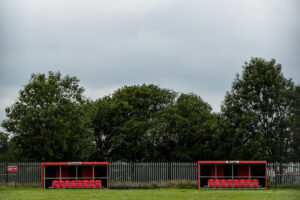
<point x="266" y="175"/>
<point x="198" y="175"/>
<point x="42" y="177"/>
<point x="107" y="170"/>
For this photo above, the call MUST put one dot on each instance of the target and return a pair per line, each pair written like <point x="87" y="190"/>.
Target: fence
<point x="28" y="173"/>
<point x="284" y="174"/>
<point x="139" y="175"/>
<point x="131" y="175"/>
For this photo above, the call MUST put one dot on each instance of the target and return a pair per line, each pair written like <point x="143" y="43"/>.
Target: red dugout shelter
<point x="232" y="174"/>
<point x="70" y="175"/>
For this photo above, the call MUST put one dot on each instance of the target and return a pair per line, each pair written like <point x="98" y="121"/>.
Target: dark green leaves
<point x="258" y="109"/>
<point x="52" y="121"/>
<point x="49" y="121"/>
<point x="148" y="123"/>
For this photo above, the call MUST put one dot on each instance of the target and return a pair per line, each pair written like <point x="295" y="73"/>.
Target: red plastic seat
<point x="67" y="184"/>
<point x="61" y="184"/>
<point x="217" y="183"/>
<point x="211" y="183"/>
<point x="54" y="184"/>
<point x="79" y="184"/>
<point x="229" y="183"/>
<point x="255" y="183"/>
<point x="236" y="183"/>
<point x="242" y="183"/>
<point x="85" y="183"/>
<point x="73" y="184"/>
<point x="223" y="183"/>
<point x="98" y="184"/>
<point x="248" y="183"/>
<point x="92" y="184"/>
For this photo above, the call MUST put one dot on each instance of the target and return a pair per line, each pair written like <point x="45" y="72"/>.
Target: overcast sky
<point x="185" y="45"/>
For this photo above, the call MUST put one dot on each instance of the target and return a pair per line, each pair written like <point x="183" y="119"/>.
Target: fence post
<point x="6" y="170"/>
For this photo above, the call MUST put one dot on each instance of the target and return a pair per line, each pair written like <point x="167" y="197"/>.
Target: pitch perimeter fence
<point x="140" y="175"/>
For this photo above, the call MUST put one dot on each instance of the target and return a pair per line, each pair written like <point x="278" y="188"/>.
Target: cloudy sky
<point x="186" y="45"/>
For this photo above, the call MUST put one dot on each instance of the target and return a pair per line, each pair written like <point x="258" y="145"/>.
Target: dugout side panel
<point x="50" y="174"/>
<point x="258" y="172"/>
<point x="101" y="174"/>
<point x="205" y="174"/>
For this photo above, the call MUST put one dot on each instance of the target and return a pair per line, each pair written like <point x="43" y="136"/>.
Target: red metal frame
<point x="73" y="164"/>
<point x="233" y="162"/>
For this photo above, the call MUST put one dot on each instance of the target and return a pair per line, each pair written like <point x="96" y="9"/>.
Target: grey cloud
<point x="188" y="46"/>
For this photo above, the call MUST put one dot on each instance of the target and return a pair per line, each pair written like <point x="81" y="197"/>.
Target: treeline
<point x="53" y="121"/>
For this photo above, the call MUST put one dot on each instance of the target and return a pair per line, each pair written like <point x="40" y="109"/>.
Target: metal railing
<point x="284" y="174"/>
<point x="140" y="174"/>
<point x="279" y="174"/>
<point x="28" y="173"/>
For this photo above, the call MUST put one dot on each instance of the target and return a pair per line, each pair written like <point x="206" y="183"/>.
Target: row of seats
<point x="233" y="183"/>
<point x="76" y="184"/>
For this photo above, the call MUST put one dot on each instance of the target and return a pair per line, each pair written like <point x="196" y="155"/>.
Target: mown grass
<point x="147" y="194"/>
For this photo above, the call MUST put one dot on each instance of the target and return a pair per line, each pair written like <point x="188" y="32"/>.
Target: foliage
<point x="3" y="146"/>
<point x="148" y="123"/>
<point x="3" y="142"/>
<point x="52" y="121"/>
<point x="121" y="121"/>
<point x="259" y="109"/>
<point x="183" y="131"/>
<point x="49" y="120"/>
<point x="295" y="128"/>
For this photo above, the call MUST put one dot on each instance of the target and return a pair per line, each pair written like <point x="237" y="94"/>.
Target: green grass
<point x="144" y="194"/>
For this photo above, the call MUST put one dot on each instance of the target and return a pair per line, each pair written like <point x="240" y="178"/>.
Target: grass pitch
<point x="147" y="194"/>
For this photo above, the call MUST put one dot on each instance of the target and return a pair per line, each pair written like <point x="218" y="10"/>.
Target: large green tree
<point x="122" y="120"/>
<point x="184" y="131"/>
<point x="295" y="146"/>
<point x="3" y="146"/>
<point x="258" y="110"/>
<point x="148" y="123"/>
<point x="49" y="121"/>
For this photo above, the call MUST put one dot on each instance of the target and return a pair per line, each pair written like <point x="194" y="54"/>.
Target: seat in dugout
<point x="232" y="174"/>
<point x="75" y="175"/>
<point x="86" y="184"/>
<point x="227" y="183"/>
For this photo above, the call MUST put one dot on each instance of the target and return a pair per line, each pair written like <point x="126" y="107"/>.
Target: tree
<point x="184" y="131"/>
<point x="258" y="109"/>
<point x="223" y="140"/>
<point x="3" y="146"/>
<point x="295" y="145"/>
<point x="49" y="121"/>
<point x="122" y="120"/>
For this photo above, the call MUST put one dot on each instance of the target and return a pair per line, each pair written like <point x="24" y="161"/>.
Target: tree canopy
<point x="48" y="121"/>
<point x="259" y="111"/>
<point x="122" y="120"/>
<point x="148" y="123"/>
<point x="52" y="121"/>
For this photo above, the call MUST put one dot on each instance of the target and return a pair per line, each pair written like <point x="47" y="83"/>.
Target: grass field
<point x="139" y="194"/>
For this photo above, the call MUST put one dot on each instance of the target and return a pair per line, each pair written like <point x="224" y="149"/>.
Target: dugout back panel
<point x="232" y="171"/>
